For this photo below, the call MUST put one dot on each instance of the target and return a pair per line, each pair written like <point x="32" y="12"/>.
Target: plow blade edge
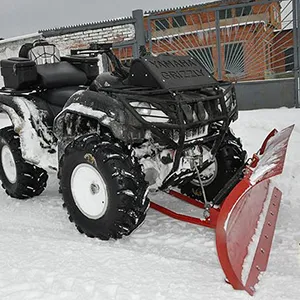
<point x="248" y="216"/>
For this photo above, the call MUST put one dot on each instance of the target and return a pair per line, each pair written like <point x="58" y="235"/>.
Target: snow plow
<point x="245" y="221"/>
<point x="162" y="124"/>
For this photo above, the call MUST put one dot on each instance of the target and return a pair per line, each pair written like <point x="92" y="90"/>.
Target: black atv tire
<point x="116" y="180"/>
<point x="20" y="179"/>
<point x="229" y="159"/>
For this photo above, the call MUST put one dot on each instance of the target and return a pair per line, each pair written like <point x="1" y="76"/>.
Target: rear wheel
<point x="103" y="188"/>
<point x="20" y="179"/>
<point x="227" y="161"/>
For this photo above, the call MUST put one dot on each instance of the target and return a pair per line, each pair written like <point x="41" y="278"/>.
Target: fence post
<point x="296" y="34"/>
<point x="140" y="41"/>
<point x="218" y="44"/>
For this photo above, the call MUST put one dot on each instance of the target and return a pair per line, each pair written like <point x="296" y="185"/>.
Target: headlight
<point x="143" y="108"/>
<point x="229" y="100"/>
<point x="149" y="112"/>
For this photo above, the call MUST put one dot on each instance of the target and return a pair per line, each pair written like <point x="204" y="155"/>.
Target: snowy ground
<point x="42" y="256"/>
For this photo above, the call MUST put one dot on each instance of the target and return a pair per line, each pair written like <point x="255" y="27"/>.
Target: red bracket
<point x="210" y="222"/>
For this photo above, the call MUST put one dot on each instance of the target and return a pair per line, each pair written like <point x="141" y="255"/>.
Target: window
<point x="225" y="14"/>
<point x="179" y="21"/>
<point x="243" y="11"/>
<point x="289" y="59"/>
<point x="204" y="55"/>
<point x="162" y="24"/>
<point x="234" y="59"/>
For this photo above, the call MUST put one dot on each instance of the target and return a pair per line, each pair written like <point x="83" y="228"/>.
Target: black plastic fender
<point x="103" y="108"/>
<point x="30" y="123"/>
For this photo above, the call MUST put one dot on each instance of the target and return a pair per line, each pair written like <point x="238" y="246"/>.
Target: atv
<point x="162" y="124"/>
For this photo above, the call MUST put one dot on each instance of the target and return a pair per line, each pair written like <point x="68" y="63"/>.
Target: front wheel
<point x="103" y="188"/>
<point x="229" y="158"/>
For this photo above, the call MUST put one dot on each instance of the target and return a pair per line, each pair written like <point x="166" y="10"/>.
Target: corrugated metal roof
<point x="86" y="26"/>
<point x="200" y="5"/>
<point x="151" y="12"/>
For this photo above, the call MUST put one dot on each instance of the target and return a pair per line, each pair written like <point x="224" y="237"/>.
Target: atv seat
<point x="61" y="74"/>
<point x="52" y="72"/>
<point x="58" y="79"/>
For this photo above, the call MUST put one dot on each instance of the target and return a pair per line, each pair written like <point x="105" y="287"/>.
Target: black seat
<point x="61" y="74"/>
<point x="52" y="72"/>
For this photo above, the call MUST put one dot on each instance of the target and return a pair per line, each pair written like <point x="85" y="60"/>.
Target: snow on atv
<point x="163" y="123"/>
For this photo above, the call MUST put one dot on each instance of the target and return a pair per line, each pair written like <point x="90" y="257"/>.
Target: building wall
<point x="114" y="34"/>
<point x="265" y="94"/>
<point x="283" y="41"/>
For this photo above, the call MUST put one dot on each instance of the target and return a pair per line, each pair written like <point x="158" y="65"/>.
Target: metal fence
<point x="238" y="42"/>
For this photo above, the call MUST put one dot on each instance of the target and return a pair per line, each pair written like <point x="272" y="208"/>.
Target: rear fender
<point x="36" y="140"/>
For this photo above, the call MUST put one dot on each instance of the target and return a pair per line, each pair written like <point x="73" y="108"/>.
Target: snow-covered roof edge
<point x="21" y="37"/>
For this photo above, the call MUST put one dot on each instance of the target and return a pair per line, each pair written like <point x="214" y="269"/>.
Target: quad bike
<point x="162" y="124"/>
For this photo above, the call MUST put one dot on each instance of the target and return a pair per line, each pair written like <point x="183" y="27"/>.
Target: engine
<point x="157" y="164"/>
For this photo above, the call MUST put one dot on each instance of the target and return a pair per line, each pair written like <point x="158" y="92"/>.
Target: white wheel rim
<point x="8" y="164"/>
<point x="89" y="191"/>
<point x="210" y="173"/>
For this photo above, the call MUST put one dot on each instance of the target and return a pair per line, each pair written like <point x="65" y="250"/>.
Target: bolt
<point x="95" y="188"/>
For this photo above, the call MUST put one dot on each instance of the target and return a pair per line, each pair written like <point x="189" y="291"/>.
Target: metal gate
<point x="245" y="41"/>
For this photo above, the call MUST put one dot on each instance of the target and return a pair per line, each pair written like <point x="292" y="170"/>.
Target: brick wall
<point x="81" y="39"/>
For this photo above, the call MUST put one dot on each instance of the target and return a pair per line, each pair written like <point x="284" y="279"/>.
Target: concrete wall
<point x="266" y="94"/>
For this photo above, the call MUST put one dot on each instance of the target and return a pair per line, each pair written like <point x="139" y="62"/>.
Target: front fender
<point x="106" y="110"/>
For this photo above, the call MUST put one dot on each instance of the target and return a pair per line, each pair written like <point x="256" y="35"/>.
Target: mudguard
<point x="248" y="216"/>
<point x="37" y="142"/>
<point x="108" y="112"/>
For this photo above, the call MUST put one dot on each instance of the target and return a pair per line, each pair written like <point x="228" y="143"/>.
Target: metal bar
<point x="140" y="40"/>
<point x="296" y="35"/>
<point x="149" y="36"/>
<point x="208" y="58"/>
<point x="181" y="217"/>
<point x="218" y="44"/>
<point x="298" y="51"/>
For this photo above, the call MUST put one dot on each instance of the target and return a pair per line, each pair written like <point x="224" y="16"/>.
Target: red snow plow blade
<point x="249" y="213"/>
<point x="246" y="221"/>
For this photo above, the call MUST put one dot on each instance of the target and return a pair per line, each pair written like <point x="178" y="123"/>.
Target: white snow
<point x="42" y="256"/>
